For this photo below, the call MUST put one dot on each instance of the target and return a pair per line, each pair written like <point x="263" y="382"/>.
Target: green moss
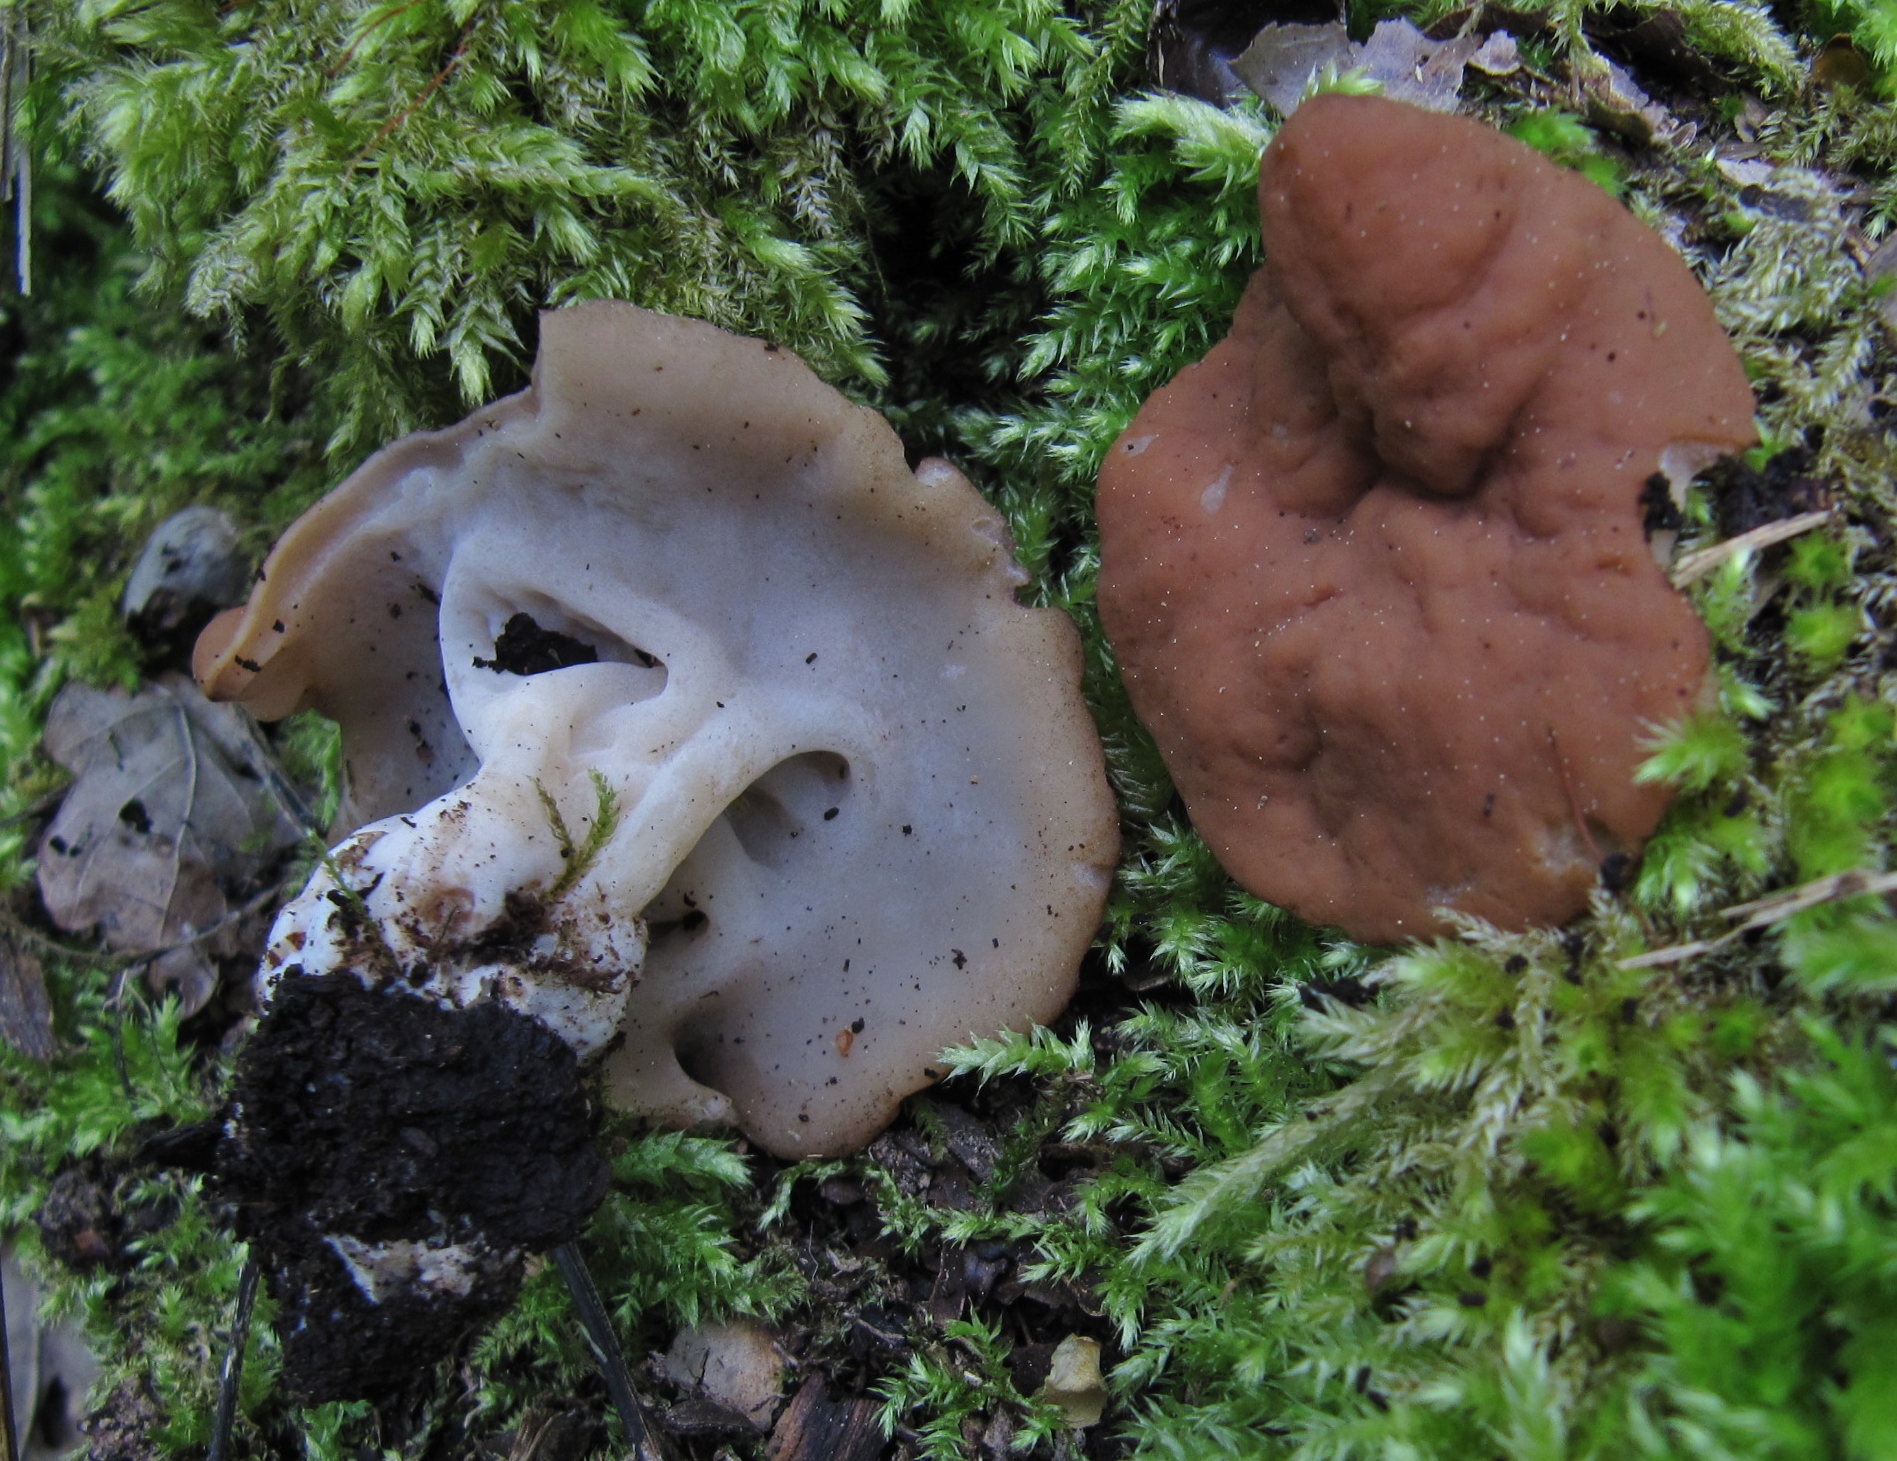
<point x="1766" y="1290"/>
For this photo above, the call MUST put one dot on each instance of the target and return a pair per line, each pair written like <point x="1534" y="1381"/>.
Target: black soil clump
<point x="1750" y="497"/>
<point x="432" y="1148"/>
<point x="524" y="648"/>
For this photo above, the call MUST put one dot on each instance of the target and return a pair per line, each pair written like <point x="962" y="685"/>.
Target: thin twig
<point x="117" y="959"/>
<point x="1574" y="798"/>
<point x="16" y="161"/>
<point x="259" y="758"/>
<point x="434" y="84"/>
<point x="39" y="808"/>
<point x="9" y="1434"/>
<point x="644" y="1439"/>
<point x="190" y="744"/>
<point x="1774" y="908"/>
<point x="115" y="1007"/>
<point x="1696" y="565"/>
<point x="232" y="1379"/>
<point x="23" y="174"/>
<point x="8" y="42"/>
<point x="335" y="68"/>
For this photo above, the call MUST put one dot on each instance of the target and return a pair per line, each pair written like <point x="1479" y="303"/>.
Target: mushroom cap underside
<point x="865" y="803"/>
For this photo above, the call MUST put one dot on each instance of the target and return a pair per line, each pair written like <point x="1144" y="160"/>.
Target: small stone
<point x="1074" y="1383"/>
<point x="191" y="567"/>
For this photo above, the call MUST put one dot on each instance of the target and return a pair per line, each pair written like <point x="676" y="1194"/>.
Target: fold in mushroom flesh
<point x="681" y="715"/>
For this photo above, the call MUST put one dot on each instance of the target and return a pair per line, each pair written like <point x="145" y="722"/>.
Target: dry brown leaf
<point x="167" y="818"/>
<point x="1415" y="69"/>
<point x="737" y="1365"/>
<point x="1283" y="59"/>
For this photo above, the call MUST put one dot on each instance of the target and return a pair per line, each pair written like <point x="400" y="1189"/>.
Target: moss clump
<point x="1625" y="1188"/>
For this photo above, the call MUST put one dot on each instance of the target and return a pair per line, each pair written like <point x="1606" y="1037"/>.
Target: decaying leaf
<point x="26" y="1017"/>
<point x="1415" y="69"/>
<point x="1284" y="61"/>
<point x="1191" y="44"/>
<point x="1497" y="56"/>
<point x="1612" y="101"/>
<point x="51" y="1368"/>
<point x="168" y="820"/>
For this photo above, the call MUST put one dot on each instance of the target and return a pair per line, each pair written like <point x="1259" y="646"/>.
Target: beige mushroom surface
<point x="1376" y="570"/>
<point x="859" y="810"/>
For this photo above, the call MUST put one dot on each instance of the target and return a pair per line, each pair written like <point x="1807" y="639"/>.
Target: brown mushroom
<point x="1375" y="569"/>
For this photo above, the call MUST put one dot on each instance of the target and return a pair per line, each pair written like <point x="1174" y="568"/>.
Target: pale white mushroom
<point x="861" y="808"/>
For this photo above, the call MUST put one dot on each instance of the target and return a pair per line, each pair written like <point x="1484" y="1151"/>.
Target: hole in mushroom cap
<point x="693" y="1044"/>
<point x="786" y="803"/>
<point x="675" y="925"/>
<point x="540" y="637"/>
<point x="772" y="820"/>
<point x="524" y="648"/>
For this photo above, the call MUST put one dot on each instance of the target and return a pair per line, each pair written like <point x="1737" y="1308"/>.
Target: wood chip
<point x="815" y="1428"/>
<point x="1774" y="908"/>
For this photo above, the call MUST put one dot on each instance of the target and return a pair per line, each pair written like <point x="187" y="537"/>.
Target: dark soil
<point x="524" y="648"/>
<point x="873" y="1304"/>
<point x="93" y="1211"/>
<point x="384" y="1117"/>
<point x="122" y="1427"/>
<point x="1746" y="497"/>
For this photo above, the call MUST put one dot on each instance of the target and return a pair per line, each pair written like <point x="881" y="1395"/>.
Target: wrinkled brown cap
<point x="1375" y="569"/>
